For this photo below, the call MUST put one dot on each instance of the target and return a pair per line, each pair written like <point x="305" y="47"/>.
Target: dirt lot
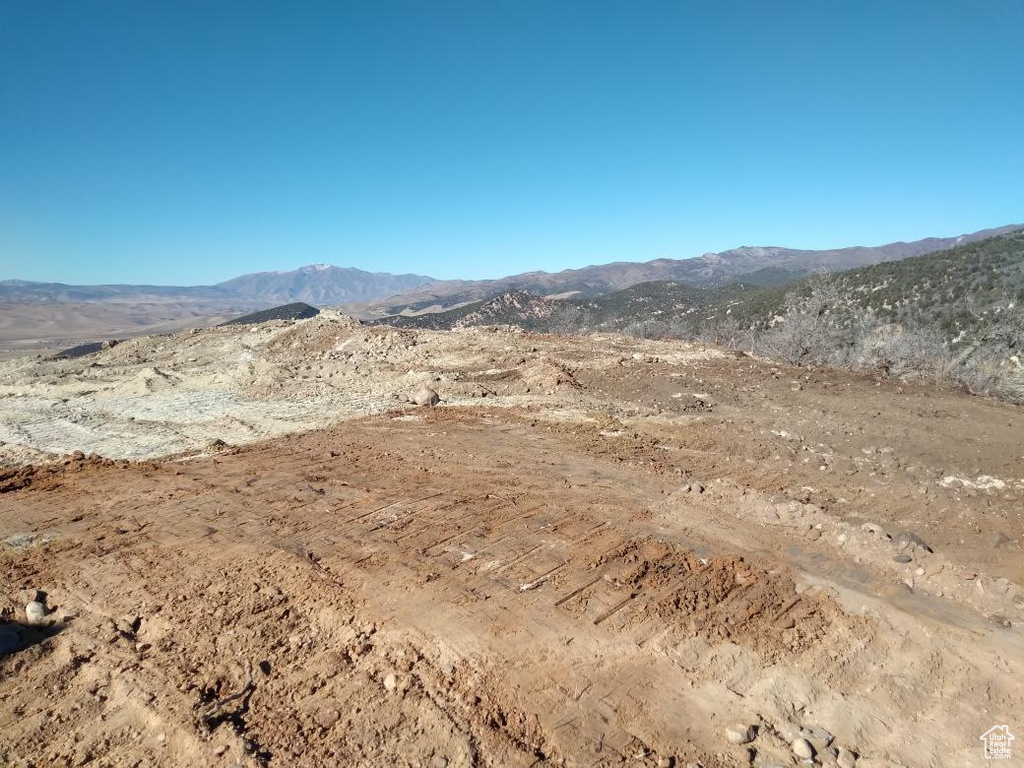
<point x="595" y="551"/>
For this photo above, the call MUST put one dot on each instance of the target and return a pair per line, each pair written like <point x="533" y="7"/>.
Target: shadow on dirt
<point x="15" y="636"/>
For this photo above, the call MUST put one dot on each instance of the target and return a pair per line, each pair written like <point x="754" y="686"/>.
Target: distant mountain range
<point x="379" y="294"/>
<point x="755" y="265"/>
<point x="315" y="284"/>
<point x="321" y="284"/>
<point x="39" y="316"/>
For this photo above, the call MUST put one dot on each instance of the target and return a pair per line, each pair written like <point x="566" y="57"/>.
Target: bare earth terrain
<point x="42" y="328"/>
<point x="594" y="551"/>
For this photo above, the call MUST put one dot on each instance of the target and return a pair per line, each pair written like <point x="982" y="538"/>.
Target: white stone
<point x="740" y="733"/>
<point x="35" y="612"/>
<point x="425" y="396"/>
<point x="802" y="748"/>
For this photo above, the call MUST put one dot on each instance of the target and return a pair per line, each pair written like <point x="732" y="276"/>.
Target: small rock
<point x="35" y="612"/>
<point x="129" y="624"/>
<point x="666" y="762"/>
<point x="1000" y="621"/>
<point x="814" y="534"/>
<point x="425" y="396"/>
<point x="819" y="737"/>
<point x="802" y="748"/>
<point x="788" y="731"/>
<point x="220" y="750"/>
<point x="439" y="761"/>
<point x="390" y="681"/>
<point x="903" y="558"/>
<point x="846" y="758"/>
<point x="740" y="733"/>
<point x="908" y="539"/>
<point x="326" y="718"/>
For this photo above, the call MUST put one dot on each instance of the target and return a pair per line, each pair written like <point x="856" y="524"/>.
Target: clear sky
<point x="188" y="141"/>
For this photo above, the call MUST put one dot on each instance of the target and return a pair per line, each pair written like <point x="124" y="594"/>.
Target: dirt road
<point x="615" y="567"/>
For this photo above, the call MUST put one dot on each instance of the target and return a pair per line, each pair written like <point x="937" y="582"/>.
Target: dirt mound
<point x="547" y="375"/>
<point x="309" y="339"/>
<point x="533" y="376"/>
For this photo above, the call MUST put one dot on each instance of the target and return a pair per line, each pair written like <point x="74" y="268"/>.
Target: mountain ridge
<point x="314" y="283"/>
<point x="707" y="269"/>
<point x="377" y="294"/>
<point x="950" y="291"/>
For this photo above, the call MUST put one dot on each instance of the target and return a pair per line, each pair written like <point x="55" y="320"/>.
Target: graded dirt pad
<point x="607" y="562"/>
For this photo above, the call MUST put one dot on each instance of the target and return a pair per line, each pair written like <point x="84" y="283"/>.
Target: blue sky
<point x="190" y="141"/>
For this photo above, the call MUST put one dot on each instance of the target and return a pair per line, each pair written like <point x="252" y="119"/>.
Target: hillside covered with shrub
<point x="954" y="315"/>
